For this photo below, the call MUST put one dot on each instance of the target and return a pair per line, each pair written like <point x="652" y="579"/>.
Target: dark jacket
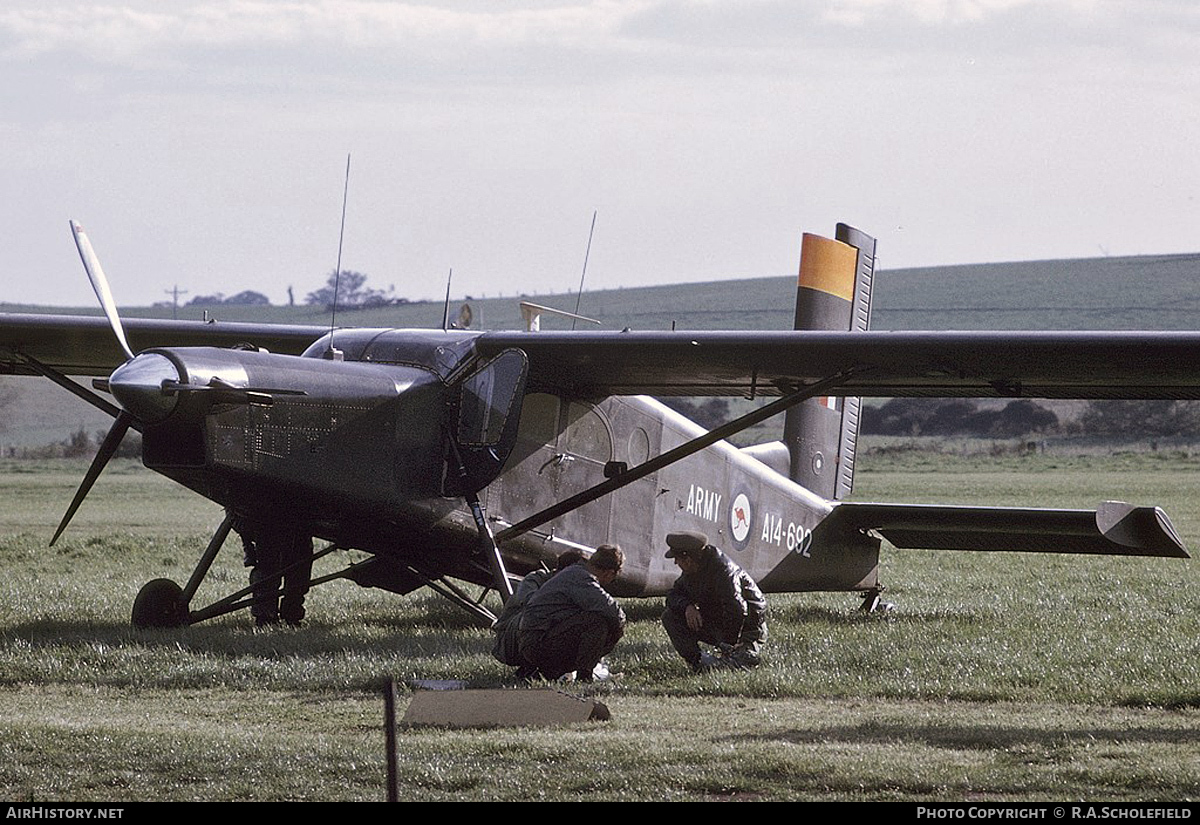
<point x="731" y="605"/>
<point x="571" y="591"/>
<point x="507" y="626"/>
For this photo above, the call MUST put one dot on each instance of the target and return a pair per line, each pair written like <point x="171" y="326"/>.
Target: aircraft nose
<point x="138" y="387"/>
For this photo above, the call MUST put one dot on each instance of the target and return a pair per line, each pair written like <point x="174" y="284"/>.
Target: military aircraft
<point x="460" y="458"/>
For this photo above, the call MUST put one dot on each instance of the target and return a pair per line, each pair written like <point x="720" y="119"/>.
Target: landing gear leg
<point x="873" y="602"/>
<point x="487" y="544"/>
<point x="163" y="603"/>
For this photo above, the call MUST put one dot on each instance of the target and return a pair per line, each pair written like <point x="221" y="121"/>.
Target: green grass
<point x="101" y="744"/>
<point x="998" y="677"/>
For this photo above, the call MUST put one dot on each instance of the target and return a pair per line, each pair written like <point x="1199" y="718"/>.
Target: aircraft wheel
<point x="160" y="604"/>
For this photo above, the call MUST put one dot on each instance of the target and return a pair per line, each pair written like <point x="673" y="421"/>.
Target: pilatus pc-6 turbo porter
<point x="457" y="458"/>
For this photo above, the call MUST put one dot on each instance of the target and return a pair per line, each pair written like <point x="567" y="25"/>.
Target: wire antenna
<point x="337" y="273"/>
<point x="583" y="274"/>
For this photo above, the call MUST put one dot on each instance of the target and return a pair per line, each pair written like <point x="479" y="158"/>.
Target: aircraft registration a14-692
<point x="457" y="458"/>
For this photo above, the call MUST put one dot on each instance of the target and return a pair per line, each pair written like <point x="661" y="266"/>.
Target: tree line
<point x="1017" y="419"/>
<point x="1157" y="418"/>
<point x="352" y="292"/>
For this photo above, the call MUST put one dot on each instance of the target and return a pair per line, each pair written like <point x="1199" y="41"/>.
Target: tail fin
<point x="834" y="293"/>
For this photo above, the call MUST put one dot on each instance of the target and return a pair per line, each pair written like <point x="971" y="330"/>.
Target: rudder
<point x="833" y="293"/>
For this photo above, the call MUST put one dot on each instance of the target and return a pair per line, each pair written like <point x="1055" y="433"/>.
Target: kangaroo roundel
<point x="739" y="518"/>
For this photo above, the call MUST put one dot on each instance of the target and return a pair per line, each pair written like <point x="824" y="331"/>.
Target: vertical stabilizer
<point x="834" y="293"/>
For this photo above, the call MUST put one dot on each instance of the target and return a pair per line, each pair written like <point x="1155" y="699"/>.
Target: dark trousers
<point x="287" y="553"/>
<point x="687" y="641"/>
<point x="576" y="644"/>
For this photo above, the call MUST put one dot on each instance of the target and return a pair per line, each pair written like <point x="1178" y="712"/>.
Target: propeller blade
<point x="106" y="451"/>
<point x="100" y="284"/>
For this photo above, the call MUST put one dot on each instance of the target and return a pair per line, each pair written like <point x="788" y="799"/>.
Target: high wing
<point x="593" y="364"/>
<point x="881" y="364"/>
<point x="84" y="345"/>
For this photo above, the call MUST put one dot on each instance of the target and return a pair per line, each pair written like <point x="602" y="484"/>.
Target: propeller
<point x="147" y="386"/>
<point x="125" y="419"/>
<point x="95" y="273"/>
<point x="106" y="451"/>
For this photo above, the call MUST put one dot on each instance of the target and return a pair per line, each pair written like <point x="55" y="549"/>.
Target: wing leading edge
<point x="596" y="364"/>
<point x="84" y="345"/>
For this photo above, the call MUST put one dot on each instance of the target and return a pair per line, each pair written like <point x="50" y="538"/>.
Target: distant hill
<point x="1141" y="292"/>
<point x="1144" y="292"/>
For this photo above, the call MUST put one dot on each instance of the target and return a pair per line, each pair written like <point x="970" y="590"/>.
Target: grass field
<point x="998" y="677"/>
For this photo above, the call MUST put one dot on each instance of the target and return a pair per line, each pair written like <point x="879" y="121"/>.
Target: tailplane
<point x="1113" y="529"/>
<point x="833" y="293"/>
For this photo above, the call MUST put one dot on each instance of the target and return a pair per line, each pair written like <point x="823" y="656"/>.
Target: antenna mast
<point x="582" y="275"/>
<point x="337" y="273"/>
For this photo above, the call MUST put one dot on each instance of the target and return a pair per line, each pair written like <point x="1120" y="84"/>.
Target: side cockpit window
<point x="489" y="397"/>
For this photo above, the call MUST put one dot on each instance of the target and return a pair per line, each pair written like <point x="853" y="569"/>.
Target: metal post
<point x="389" y="724"/>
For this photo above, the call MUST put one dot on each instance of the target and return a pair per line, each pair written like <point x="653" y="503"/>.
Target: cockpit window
<point x="488" y="398"/>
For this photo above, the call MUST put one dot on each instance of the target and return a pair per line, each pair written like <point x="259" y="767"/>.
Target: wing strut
<point x="71" y="387"/>
<point x="671" y="456"/>
<point x="487" y="542"/>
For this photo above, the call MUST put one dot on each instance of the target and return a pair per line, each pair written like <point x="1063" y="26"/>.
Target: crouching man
<point x="572" y="622"/>
<point x="713" y="601"/>
<point x="507" y="628"/>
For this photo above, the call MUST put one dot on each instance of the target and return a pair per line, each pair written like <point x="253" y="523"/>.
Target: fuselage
<point x="358" y="450"/>
<point x="767" y="523"/>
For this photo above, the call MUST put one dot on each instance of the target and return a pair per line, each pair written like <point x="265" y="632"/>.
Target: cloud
<point x="926" y="12"/>
<point x="207" y="41"/>
<point x="113" y="31"/>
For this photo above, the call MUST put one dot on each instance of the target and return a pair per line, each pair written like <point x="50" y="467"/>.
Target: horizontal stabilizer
<point x="1115" y="528"/>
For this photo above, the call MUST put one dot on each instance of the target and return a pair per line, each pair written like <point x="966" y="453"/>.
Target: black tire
<point x="159" y="604"/>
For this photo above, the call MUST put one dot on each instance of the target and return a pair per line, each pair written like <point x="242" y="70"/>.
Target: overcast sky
<point x="204" y="143"/>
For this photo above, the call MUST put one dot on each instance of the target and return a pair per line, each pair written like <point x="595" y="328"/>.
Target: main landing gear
<point x="163" y="603"/>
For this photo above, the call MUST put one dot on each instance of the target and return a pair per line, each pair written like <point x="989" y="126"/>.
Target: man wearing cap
<point x="571" y="622"/>
<point x="713" y="601"/>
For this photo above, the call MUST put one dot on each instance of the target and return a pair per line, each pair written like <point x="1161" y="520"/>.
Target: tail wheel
<point x="160" y="603"/>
